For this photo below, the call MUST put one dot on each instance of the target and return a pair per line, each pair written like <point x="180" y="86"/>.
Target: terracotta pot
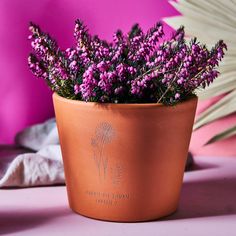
<point x="124" y="162"/>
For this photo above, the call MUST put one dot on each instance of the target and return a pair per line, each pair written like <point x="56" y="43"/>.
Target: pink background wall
<point x="26" y="100"/>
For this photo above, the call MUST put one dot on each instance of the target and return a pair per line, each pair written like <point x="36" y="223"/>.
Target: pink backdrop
<point x="26" y="100"/>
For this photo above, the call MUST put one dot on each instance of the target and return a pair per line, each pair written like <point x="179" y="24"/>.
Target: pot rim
<point x="122" y="105"/>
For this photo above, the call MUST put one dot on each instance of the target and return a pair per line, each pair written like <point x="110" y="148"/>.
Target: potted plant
<point x="125" y="112"/>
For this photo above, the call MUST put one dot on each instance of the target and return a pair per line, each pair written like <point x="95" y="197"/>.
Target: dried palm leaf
<point x="223" y="135"/>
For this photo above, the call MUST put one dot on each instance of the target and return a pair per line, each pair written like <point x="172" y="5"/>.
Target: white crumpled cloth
<point x="35" y="161"/>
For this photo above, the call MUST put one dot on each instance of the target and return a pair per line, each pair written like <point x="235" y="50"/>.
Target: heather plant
<point x="136" y="67"/>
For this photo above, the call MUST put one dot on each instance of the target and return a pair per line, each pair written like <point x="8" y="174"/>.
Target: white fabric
<point x="38" y="136"/>
<point x="21" y="168"/>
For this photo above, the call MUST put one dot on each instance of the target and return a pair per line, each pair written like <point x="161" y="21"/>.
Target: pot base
<point x="120" y="220"/>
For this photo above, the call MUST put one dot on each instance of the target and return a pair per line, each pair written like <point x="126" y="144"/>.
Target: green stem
<point x="170" y="85"/>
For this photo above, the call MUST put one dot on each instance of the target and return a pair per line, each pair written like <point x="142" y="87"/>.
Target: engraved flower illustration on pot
<point x="117" y="174"/>
<point x="104" y="135"/>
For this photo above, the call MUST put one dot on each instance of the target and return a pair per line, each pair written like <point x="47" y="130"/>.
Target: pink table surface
<point x="207" y="207"/>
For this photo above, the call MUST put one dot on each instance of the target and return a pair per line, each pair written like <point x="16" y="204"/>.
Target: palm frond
<point x="222" y="108"/>
<point x="223" y="135"/>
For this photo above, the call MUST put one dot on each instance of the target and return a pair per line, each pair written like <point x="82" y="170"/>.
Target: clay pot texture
<point x="124" y="162"/>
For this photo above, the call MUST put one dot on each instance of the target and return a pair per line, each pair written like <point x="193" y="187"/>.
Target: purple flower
<point x="134" y="67"/>
<point x="177" y="96"/>
<point x="87" y="88"/>
<point x="102" y="66"/>
<point x="76" y="89"/>
<point x="119" y="90"/>
<point x="105" y="82"/>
